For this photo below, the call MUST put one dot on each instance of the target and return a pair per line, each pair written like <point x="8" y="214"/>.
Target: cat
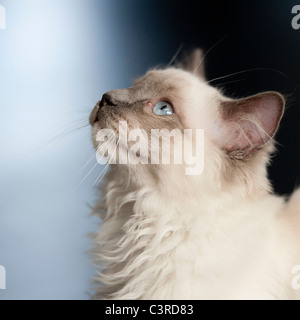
<point x="221" y="234"/>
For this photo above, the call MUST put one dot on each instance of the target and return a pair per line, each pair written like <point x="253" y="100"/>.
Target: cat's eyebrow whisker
<point x="228" y="82"/>
<point x="175" y="55"/>
<point x="248" y="70"/>
<point x="208" y="51"/>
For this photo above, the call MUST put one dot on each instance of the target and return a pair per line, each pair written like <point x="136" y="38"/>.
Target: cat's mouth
<point x="94" y="116"/>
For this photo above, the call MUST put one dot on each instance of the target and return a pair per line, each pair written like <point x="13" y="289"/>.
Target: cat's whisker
<point x="244" y="135"/>
<point x="175" y="55"/>
<point x="102" y="174"/>
<point x="92" y="169"/>
<point x="261" y="130"/>
<point x="248" y="70"/>
<point x="229" y="82"/>
<point x="104" y="170"/>
<point x="110" y="141"/>
<point x="295" y="90"/>
<point x="263" y="133"/>
<point x="87" y="174"/>
<point x="208" y="51"/>
<point x="88" y="161"/>
<point x="57" y="138"/>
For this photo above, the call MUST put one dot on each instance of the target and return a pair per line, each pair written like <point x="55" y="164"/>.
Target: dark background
<point x="247" y="35"/>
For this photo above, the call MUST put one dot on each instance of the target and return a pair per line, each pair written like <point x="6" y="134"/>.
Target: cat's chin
<point x="97" y="126"/>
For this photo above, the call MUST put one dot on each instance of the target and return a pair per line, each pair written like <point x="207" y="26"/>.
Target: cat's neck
<point x="144" y="189"/>
<point x="144" y="221"/>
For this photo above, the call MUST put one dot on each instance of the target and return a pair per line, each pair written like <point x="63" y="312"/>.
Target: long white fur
<point x="223" y="235"/>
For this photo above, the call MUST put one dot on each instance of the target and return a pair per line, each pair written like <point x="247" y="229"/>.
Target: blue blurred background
<point x="57" y="58"/>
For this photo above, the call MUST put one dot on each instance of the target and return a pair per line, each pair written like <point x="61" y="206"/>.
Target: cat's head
<point x="238" y="133"/>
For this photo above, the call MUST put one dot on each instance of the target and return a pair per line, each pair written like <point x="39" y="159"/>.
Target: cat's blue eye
<point x="163" y="108"/>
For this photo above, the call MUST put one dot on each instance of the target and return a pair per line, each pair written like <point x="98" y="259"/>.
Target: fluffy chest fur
<point x="151" y="247"/>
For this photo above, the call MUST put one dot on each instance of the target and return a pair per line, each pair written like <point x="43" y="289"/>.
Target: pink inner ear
<point x="249" y="123"/>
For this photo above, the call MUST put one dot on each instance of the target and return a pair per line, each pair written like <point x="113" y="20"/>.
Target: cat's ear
<point x="194" y="63"/>
<point x="248" y="124"/>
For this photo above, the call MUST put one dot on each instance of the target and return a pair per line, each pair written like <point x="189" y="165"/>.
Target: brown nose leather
<point x="107" y="100"/>
<point x="111" y="98"/>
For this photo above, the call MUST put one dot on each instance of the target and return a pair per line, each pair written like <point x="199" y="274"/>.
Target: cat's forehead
<point x="169" y="83"/>
<point x="171" y="77"/>
<point x="176" y="83"/>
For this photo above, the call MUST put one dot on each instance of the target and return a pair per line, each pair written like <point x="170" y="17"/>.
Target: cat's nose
<point x="113" y="98"/>
<point x="107" y="100"/>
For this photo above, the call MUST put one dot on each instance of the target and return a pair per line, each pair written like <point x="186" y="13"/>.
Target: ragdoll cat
<point x="221" y="234"/>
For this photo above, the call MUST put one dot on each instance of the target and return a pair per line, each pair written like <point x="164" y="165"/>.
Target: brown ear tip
<point x="198" y="51"/>
<point x="197" y="54"/>
<point x="193" y="61"/>
<point x="278" y="96"/>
